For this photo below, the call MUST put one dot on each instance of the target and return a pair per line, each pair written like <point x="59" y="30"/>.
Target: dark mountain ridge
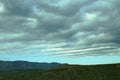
<point x="10" y="65"/>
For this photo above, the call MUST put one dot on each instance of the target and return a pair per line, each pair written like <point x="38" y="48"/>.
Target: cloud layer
<point x="60" y="27"/>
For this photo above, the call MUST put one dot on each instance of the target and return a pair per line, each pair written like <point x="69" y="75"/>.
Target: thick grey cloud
<point x="60" y="27"/>
<point x="18" y="7"/>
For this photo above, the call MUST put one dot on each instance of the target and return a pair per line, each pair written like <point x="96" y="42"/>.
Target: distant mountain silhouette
<point x="10" y="65"/>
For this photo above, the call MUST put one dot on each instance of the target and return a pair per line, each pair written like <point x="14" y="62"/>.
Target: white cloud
<point x="2" y="9"/>
<point x="90" y="16"/>
<point x="7" y="36"/>
<point x="31" y="22"/>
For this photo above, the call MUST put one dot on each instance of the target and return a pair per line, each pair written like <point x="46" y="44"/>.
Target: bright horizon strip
<point x="86" y="60"/>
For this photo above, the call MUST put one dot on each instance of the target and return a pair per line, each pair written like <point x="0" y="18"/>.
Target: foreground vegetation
<point x="68" y="72"/>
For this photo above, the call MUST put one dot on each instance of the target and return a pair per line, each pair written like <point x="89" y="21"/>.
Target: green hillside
<point x="68" y="72"/>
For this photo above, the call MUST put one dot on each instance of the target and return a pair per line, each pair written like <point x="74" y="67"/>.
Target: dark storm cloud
<point x="66" y="8"/>
<point x="61" y="28"/>
<point x="18" y="7"/>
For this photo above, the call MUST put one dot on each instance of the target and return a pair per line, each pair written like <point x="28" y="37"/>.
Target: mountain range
<point x="12" y="65"/>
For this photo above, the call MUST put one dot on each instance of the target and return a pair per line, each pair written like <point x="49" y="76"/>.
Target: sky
<point x="65" y="31"/>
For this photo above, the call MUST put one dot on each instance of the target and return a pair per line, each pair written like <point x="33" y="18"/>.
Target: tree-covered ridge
<point x="68" y="72"/>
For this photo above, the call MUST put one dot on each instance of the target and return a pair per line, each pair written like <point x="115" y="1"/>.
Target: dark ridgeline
<point x="10" y="65"/>
<point x="64" y="72"/>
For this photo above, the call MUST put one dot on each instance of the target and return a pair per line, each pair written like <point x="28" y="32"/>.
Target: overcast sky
<point x="60" y="29"/>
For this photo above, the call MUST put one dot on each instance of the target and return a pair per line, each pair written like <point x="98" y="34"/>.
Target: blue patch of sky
<point x="36" y="57"/>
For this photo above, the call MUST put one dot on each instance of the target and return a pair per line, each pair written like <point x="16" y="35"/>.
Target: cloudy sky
<point x="71" y="31"/>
